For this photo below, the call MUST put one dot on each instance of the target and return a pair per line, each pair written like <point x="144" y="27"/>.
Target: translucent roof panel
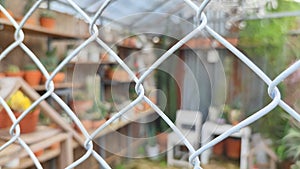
<point x="120" y="9"/>
<point x="155" y="15"/>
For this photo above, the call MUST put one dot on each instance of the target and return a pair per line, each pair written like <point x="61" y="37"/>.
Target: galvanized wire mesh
<point x="201" y="24"/>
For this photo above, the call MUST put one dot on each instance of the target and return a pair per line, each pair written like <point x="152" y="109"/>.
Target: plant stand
<point x="209" y="129"/>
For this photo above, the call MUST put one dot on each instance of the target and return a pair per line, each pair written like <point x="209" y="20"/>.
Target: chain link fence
<point x="201" y="25"/>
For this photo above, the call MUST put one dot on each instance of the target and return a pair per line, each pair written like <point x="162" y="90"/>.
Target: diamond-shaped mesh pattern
<point x="201" y="24"/>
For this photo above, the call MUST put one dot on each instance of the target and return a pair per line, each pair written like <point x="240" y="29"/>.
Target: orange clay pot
<point x="30" y="21"/>
<point x="233" y="147"/>
<point x="58" y="78"/>
<point x="48" y="23"/>
<point x="2" y="75"/>
<point x="27" y="125"/>
<point x="33" y="77"/>
<point x="15" y="74"/>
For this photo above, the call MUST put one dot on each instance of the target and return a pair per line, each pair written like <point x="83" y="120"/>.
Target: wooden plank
<point x="58" y="86"/>
<point x="10" y="150"/>
<point x="41" y="31"/>
<point x="47" y="155"/>
<point x="122" y="123"/>
<point x="66" y="156"/>
<point x="42" y="145"/>
<point x="41" y="133"/>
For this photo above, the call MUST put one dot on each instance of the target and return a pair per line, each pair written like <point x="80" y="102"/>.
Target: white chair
<point x="189" y="123"/>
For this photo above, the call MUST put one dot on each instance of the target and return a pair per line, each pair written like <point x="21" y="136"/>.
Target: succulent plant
<point x="19" y="102"/>
<point x="13" y="68"/>
<point x="30" y="67"/>
<point x="47" y="14"/>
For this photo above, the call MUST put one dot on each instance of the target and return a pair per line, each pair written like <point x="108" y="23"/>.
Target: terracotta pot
<point x="15" y="74"/>
<point x="48" y="23"/>
<point x="27" y="125"/>
<point x="2" y="75"/>
<point x="218" y="149"/>
<point x="233" y="147"/>
<point x="98" y="123"/>
<point x="59" y="78"/>
<point x="4" y="16"/>
<point x="30" y="21"/>
<point x="33" y="77"/>
<point x="39" y="152"/>
<point x="88" y="124"/>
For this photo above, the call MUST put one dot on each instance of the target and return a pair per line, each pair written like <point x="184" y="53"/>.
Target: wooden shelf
<point x="41" y="139"/>
<point x="40" y="31"/>
<point x="122" y="123"/>
<point x="93" y="63"/>
<point x="115" y="82"/>
<point x="58" y="86"/>
<point x="47" y="155"/>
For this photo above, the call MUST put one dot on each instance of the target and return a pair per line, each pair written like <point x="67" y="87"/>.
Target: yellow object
<point x="19" y="102"/>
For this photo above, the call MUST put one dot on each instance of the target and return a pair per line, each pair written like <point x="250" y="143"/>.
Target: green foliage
<point x="47" y="14"/>
<point x="266" y="37"/>
<point x="30" y="67"/>
<point x="274" y="125"/>
<point x="152" y="137"/>
<point x="269" y="32"/>
<point x="98" y="111"/>
<point x="51" y="59"/>
<point x="28" y="5"/>
<point x="292" y="140"/>
<point x="120" y="166"/>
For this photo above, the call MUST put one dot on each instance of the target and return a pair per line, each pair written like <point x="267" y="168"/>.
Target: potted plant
<point x="234" y="113"/>
<point x="47" y="19"/>
<point x="50" y="62"/>
<point x="14" y="71"/>
<point x="32" y="75"/>
<point x="2" y="3"/>
<point x="18" y="103"/>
